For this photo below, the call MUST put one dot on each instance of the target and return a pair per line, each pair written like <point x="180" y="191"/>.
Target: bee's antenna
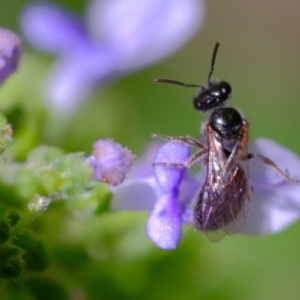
<point x="165" y="80"/>
<point x="213" y="59"/>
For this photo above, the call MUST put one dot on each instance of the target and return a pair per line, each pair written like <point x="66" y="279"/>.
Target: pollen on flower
<point x="110" y="162"/>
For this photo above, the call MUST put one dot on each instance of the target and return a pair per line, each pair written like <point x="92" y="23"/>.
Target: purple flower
<point x="275" y="203"/>
<point x="10" y="50"/>
<point x="110" y="162"/>
<point x="166" y="193"/>
<point x="164" y="224"/>
<point x="118" y="37"/>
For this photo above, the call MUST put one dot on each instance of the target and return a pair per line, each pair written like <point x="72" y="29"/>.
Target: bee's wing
<point x="216" y="179"/>
<point x="230" y="208"/>
<point x="227" y="181"/>
<point x="234" y="226"/>
<point x="216" y="235"/>
<point x="238" y="224"/>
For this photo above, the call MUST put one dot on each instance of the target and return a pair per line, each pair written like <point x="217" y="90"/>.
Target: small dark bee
<point x="223" y="202"/>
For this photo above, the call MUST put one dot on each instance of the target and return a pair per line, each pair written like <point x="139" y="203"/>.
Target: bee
<point x="222" y="204"/>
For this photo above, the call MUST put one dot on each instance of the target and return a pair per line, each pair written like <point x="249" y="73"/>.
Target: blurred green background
<point x="110" y="257"/>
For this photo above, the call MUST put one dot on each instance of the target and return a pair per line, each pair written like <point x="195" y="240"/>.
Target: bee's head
<point x="212" y="95"/>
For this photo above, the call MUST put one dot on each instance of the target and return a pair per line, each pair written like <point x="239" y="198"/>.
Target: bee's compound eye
<point x="227" y="122"/>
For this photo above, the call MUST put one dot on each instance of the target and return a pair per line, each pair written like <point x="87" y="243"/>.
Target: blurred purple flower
<point x="110" y="162"/>
<point x="118" y="37"/>
<point x="10" y="50"/>
<point x="275" y="203"/>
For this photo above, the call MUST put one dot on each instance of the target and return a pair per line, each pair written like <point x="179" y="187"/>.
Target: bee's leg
<point x="271" y="164"/>
<point x="190" y="162"/>
<point x="186" y="140"/>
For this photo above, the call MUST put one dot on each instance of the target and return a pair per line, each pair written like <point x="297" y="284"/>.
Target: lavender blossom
<point x="164" y="224"/>
<point x="10" y="50"/>
<point x="110" y="162"/>
<point x="118" y="37"/>
<point x="168" y="194"/>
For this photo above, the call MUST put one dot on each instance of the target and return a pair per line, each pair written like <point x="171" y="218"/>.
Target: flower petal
<point x="135" y="194"/>
<point x="275" y="201"/>
<point x="10" y="50"/>
<point x="169" y="178"/>
<point x="284" y="158"/>
<point x="188" y="191"/>
<point x="51" y="28"/>
<point x="143" y="167"/>
<point x="273" y="210"/>
<point x="141" y="32"/>
<point x="164" y="223"/>
<point x="75" y="75"/>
